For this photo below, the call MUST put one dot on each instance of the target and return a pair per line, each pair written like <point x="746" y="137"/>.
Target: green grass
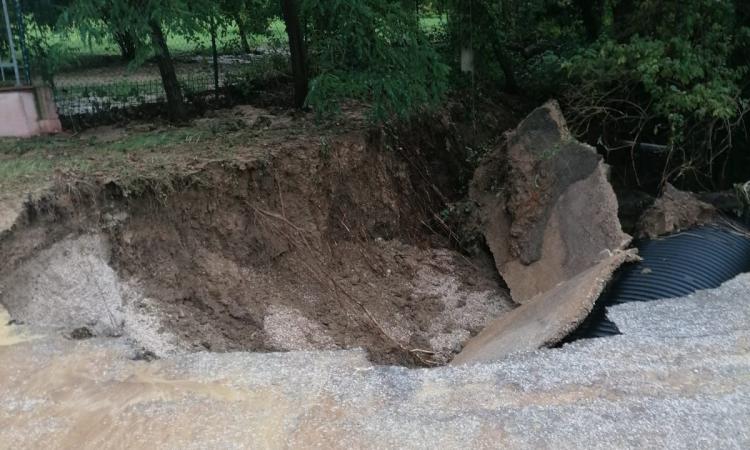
<point x="26" y="164"/>
<point x="150" y="141"/>
<point x="76" y="49"/>
<point x="24" y="168"/>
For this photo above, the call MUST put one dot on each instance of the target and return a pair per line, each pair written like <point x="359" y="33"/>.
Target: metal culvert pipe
<point x="672" y="266"/>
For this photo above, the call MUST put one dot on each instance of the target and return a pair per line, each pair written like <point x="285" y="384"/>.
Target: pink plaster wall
<point x="20" y="117"/>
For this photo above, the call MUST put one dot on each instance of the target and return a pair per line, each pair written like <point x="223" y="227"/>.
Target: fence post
<point x="22" y="42"/>
<point x="10" y="43"/>
<point x="215" y="55"/>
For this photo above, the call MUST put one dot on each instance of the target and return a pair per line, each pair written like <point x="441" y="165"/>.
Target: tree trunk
<point x="622" y="12"/>
<point x="511" y="85"/>
<point x="243" y="34"/>
<point x="126" y="43"/>
<point x="175" y="103"/>
<point x="297" y="50"/>
<point x="215" y="55"/>
<point x="592" y="12"/>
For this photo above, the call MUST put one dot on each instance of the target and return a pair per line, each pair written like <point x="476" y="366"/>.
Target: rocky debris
<point x="724" y="201"/>
<point x="632" y="203"/>
<point x="10" y="211"/>
<point x="656" y="386"/>
<point x="81" y="333"/>
<point x="546" y="319"/>
<point x="547" y="209"/>
<point x="288" y="329"/>
<point x="69" y="285"/>
<point x="674" y="211"/>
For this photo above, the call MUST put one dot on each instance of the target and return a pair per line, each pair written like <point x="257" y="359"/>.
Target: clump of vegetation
<point x="670" y="73"/>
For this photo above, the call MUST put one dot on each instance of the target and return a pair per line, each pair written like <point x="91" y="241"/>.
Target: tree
<point x="175" y="103"/>
<point x="670" y="72"/>
<point x="592" y="13"/>
<point x="250" y="16"/>
<point x="143" y="18"/>
<point x="504" y="35"/>
<point x="298" y="54"/>
<point x="126" y="42"/>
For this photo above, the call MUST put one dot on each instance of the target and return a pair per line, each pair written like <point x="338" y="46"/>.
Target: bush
<point x="667" y="74"/>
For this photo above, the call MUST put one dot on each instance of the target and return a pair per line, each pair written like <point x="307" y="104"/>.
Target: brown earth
<point x="314" y="245"/>
<point x="674" y="211"/>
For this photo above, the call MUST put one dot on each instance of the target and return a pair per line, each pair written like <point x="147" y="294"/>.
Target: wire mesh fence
<point x="95" y="75"/>
<point x="100" y="97"/>
<point x="93" y="93"/>
<point x="10" y="71"/>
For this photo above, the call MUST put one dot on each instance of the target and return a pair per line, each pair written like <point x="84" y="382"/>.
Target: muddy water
<point x="11" y="334"/>
<point x="57" y="393"/>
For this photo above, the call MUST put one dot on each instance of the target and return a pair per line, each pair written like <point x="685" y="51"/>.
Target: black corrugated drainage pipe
<point x="672" y="266"/>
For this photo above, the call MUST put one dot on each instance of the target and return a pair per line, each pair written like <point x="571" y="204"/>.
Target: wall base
<point x="28" y="111"/>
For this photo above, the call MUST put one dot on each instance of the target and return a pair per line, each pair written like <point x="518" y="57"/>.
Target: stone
<point x="546" y="319"/>
<point x="674" y="211"/>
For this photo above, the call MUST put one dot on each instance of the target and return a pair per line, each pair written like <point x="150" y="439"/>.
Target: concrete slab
<point x="546" y="319"/>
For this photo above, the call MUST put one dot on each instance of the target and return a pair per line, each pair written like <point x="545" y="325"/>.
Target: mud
<point x="673" y="380"/>
<point x="674" y="211"/>
<point x="10" y="332"/>
<point x="302" y="249"/>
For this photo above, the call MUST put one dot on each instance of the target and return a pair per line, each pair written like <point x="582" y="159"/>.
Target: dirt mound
<point x="674" y="211"/>
<point x="316" y="246"/>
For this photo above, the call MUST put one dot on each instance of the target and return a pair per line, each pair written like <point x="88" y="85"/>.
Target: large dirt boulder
<point x="547" y="210"/>
<point x="674" y="211"/>
<point x="549" y="215"/>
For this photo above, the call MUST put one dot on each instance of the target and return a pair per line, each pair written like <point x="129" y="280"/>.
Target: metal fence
<point x="8" y="55"/>
<point x="94" y="77"/>
<point x="101" y="97"/>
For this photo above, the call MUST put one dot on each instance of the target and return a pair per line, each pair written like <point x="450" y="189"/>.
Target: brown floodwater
<point x="11" y="334"/>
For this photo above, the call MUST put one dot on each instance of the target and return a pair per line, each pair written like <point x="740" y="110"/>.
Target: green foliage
<point x="679" y="76"/>
<point x="374" y="51"/>
<point x="669" y="72"/>
<point x="255" y="15"/>
<point x="514" y="41"/>
<point x="47" y="56"/>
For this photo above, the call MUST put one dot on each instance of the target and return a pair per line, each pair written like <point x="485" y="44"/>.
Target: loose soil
<point x="314" y="245"/>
